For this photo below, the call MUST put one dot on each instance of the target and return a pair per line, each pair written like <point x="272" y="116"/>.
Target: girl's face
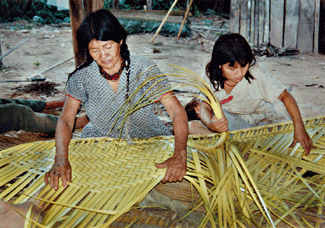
<point x="106" y="54"/>
<point x="235" y="73"/>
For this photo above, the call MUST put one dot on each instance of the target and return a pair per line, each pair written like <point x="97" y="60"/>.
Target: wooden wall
<point x="283" y="23"/>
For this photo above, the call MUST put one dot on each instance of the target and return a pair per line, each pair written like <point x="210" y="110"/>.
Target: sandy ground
<point x="47" y="46"/>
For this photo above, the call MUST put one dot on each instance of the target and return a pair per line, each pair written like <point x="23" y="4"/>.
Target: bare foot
<point x="55" y="103"/>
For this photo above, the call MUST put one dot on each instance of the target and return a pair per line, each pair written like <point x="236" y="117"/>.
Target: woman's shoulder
<point x="82" y="70"/>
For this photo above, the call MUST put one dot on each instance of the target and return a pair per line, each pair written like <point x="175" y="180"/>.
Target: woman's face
<point x="234" y="73"/>
<point x="106" y="54"/>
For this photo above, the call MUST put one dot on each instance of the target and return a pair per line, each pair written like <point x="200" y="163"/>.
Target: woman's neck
<point x="115" y="68"/>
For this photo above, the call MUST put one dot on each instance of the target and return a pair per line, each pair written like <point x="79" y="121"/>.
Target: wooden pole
<point x="186" y="15"/>
<point x="76" y="17"/>
<point x="149" y="4"/>
<point x="0" y="53"/>
<point x="97" y="5"/>
<point x="316" y="33"/>
<point x="115" y="4"/>
<point x="14" y="48"/>
<point x="78" y="11"/>
<point x="163" y="22"/>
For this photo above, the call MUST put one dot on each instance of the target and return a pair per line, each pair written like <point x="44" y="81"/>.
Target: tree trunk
<point x="77" y="13"/>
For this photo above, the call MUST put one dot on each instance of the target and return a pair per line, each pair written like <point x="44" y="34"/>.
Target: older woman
<point x="103" y="83"/>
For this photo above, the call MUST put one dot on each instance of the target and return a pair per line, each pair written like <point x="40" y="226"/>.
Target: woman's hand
<point x="176" y="167"/>
<point x="63" y="134"/>
<point x="61" y="168"/>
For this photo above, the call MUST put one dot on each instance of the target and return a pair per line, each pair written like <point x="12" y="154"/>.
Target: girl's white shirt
<point x="252" y="101"/>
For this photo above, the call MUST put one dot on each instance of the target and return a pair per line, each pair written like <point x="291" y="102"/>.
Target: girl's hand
<point x="61" y="168"/>
<point x="220" y="125"/>
<point x="301" y="136"/>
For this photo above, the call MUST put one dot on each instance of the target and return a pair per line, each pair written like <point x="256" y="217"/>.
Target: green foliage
<point x="161" y="5"/>
<point x="195" y="11"/>
<point x="138" y="5"/>
<point x="37" y="63"/>
<point x="108" y="4"/>
<point x="13" y="10"/>
<point x="143" y="26"/>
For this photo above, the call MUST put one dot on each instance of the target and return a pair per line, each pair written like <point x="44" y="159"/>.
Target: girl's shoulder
<point x="259" y="71"/>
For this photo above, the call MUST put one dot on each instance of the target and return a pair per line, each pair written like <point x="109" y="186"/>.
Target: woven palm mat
<point x="110" y="177"/>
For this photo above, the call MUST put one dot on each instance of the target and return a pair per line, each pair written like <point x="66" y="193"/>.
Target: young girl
<point x="246" y="100"/>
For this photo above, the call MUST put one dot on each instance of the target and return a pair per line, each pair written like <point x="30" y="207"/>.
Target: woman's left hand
<point x="176" y="167"/>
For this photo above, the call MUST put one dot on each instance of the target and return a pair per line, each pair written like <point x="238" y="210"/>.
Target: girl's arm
<point x="176" y="165"/>
<point x="209" y="120"/>
<point x="61" y="167"/>
<point x="300" y="134"/>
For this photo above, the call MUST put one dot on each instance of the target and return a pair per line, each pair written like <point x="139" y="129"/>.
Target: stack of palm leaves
<point x="247" y="178"/>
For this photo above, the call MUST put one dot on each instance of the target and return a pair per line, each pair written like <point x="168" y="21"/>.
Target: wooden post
<point x="252" y="22"/>
<point x="78" y="11"/>
<point x="261" y="22"/>
<point x="244" y="19"/>
<point x="316" y="34"/>
<point x="183" y="22"/>
<point x="306" y="26"/>
<point x="0" y="54"/>
<point x="291" y="23"/>
<point x="234" y="16"/>
<point x="164" y="20"/>
<point x="76" y="17"/>
<point x="149" y="4"/>
<point x="277" y="22"/>
<point x="115" y="4"/>
<point x="267" y="23"/>
<point x="97" y="4"/>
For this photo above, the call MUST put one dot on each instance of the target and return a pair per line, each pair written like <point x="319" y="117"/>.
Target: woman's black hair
<point x="229" y="48"/>
<point x="101" y="25"/>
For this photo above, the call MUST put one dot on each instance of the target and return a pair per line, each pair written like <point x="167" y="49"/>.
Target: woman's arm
<point x="209" y="120"/>
<point x="176" y="165"/>
<point x="300" y="134"/>
<point x="61" y="167"/>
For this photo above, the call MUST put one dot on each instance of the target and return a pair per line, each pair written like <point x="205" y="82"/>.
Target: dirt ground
<point x="48" y="51"/>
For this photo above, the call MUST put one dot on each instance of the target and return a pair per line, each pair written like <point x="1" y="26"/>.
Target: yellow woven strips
<point x="253" y="171"/>
<point x="278" y="169"/>
<point x="108" y="175"/>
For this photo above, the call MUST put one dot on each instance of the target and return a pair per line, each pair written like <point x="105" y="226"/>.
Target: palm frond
<point x="245" y="178"/>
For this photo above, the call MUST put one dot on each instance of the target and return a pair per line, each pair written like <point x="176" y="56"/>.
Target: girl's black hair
<point x="229" y="48"/>
<point x="190" y="109"/>
<point x="101" y="25"/>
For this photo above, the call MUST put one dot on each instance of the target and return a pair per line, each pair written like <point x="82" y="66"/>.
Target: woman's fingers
<point x="60" y="169"/>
